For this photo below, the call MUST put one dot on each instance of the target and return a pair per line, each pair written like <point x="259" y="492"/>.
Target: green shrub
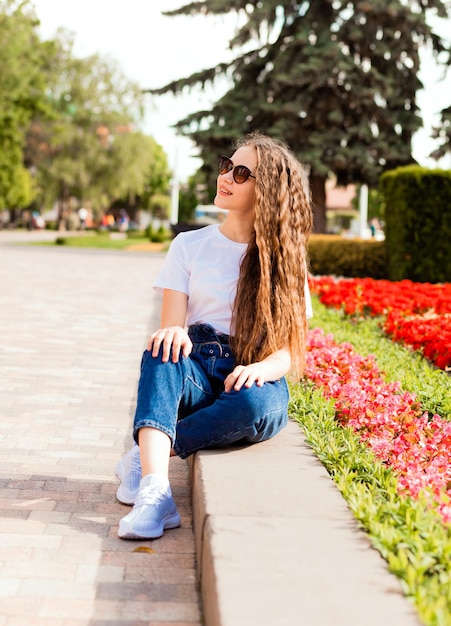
<point x="135" y="234"/>
<point x="418" y="223"/>
<point x="158" y="235"/>
<point x="354" y="258"/>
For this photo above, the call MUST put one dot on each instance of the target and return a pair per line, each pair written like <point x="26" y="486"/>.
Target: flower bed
<point x="385" y="445"/>
<point x="416" y="446"/>
<point x="417" y="314"/>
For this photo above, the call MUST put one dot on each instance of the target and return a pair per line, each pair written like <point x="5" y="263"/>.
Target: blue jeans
<point x="186" y="400"/>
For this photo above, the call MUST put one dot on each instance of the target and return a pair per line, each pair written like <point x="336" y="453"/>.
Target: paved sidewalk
<point x="73" y="326"/>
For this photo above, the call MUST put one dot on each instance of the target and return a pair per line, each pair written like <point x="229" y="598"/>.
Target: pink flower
<point x="415" y="445"/>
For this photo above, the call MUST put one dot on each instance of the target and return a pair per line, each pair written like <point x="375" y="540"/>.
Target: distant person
<point x="123" y="221"/>
<point x="37" y="220"/>
<point x="233" y="324"/>
<point x="82" y="216"/>
<point x="374" y="227"/>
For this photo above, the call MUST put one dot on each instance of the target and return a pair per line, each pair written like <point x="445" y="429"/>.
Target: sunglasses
<point x="240" y="172"/>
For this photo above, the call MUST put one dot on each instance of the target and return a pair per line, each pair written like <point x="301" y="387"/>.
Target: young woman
<point x="233" y="325"/>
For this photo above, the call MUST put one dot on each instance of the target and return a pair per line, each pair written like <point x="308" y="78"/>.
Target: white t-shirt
<point x="205" y="265"/>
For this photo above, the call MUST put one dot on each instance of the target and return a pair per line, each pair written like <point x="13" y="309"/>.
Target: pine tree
<point x="337" y="80"/>
<point x="443" y="134"/>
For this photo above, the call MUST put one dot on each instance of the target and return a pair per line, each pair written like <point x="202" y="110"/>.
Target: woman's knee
<point x="261" y="403"/>
<point x="149" y="359"/>
<point x="268" y="423"/>
<point x="150" y="363"/>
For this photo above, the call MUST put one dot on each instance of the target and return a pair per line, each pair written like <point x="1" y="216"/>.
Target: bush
<point x="418" y="223"/>
<point x="159" y="235"/>
<point x="135" y="234"/>
<point x="354" y="258"/>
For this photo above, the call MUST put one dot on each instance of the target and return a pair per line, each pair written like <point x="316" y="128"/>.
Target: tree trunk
<point x="318" y="189"/>
<point x="62" y="206"/>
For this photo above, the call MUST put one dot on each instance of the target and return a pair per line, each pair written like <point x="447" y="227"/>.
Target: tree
<point x="21" y="96"/>
<point x="443" y="133"/>
<point x="195" y="191"/>
<point x="89" y="149"/>
<point x="142" y="167"/>
<point x="335" y="79"/>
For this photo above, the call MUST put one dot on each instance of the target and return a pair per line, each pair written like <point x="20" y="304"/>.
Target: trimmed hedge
<point x="354" y="258"/>
<point x="418" y="223"/>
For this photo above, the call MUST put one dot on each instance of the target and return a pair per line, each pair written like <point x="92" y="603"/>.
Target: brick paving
<point x="73" y="326"/>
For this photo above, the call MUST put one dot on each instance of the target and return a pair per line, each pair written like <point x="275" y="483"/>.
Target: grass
<point x="105" y="241"/>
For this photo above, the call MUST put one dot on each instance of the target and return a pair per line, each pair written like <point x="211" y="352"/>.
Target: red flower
<point x="417" y="314"/>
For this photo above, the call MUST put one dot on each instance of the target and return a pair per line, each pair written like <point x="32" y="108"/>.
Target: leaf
<point x="144" y="549"/>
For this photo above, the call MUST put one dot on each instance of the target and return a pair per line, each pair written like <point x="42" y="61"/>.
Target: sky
<point x="153" y="50"/>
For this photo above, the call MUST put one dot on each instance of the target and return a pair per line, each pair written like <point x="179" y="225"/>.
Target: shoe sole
<point x="170" y="522"/>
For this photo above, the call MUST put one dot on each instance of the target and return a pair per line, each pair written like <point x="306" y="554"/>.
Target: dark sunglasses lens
<point x="224" y="165"/>
<point x="241" y="173"/>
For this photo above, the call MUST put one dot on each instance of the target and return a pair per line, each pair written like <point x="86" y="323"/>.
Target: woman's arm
<point x="172" y="334"/>
<point x="272" y="367"/>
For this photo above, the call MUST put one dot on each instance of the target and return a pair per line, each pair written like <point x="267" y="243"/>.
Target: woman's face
<point x="234" y="196"/>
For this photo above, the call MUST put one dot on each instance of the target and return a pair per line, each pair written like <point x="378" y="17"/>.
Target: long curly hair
<point x="269" y="310"/>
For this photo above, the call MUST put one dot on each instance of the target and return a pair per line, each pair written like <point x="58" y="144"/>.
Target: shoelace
<point x="150" y="495"/>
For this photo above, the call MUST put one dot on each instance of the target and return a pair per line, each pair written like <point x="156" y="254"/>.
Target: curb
<point x="277" y="545"/>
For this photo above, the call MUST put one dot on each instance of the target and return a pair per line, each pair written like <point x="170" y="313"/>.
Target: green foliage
<point x="418" y="223"/>
<point x="21" y="95"/>
<point x="91" y="239"/>
<point x="443" y="133"/>
<point x="158" y="235"/>
<point x="156" y="179"/>
<point x="72" y="123"/>
<point x="88" y="149"/>
<point x="193" y="193"/>
<point x="356" y="258"/>
<point x="139" y="164"/>
<point x="187" y="201"/>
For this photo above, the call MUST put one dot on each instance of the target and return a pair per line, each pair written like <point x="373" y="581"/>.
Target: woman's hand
<point x="271" y="368"/>
<point x="245" y="375"/>
<point x="175" y="338"/>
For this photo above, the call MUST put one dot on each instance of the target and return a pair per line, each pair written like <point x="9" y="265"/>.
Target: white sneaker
<point x="154" y="510"/>
<point x="128" y="470"/>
